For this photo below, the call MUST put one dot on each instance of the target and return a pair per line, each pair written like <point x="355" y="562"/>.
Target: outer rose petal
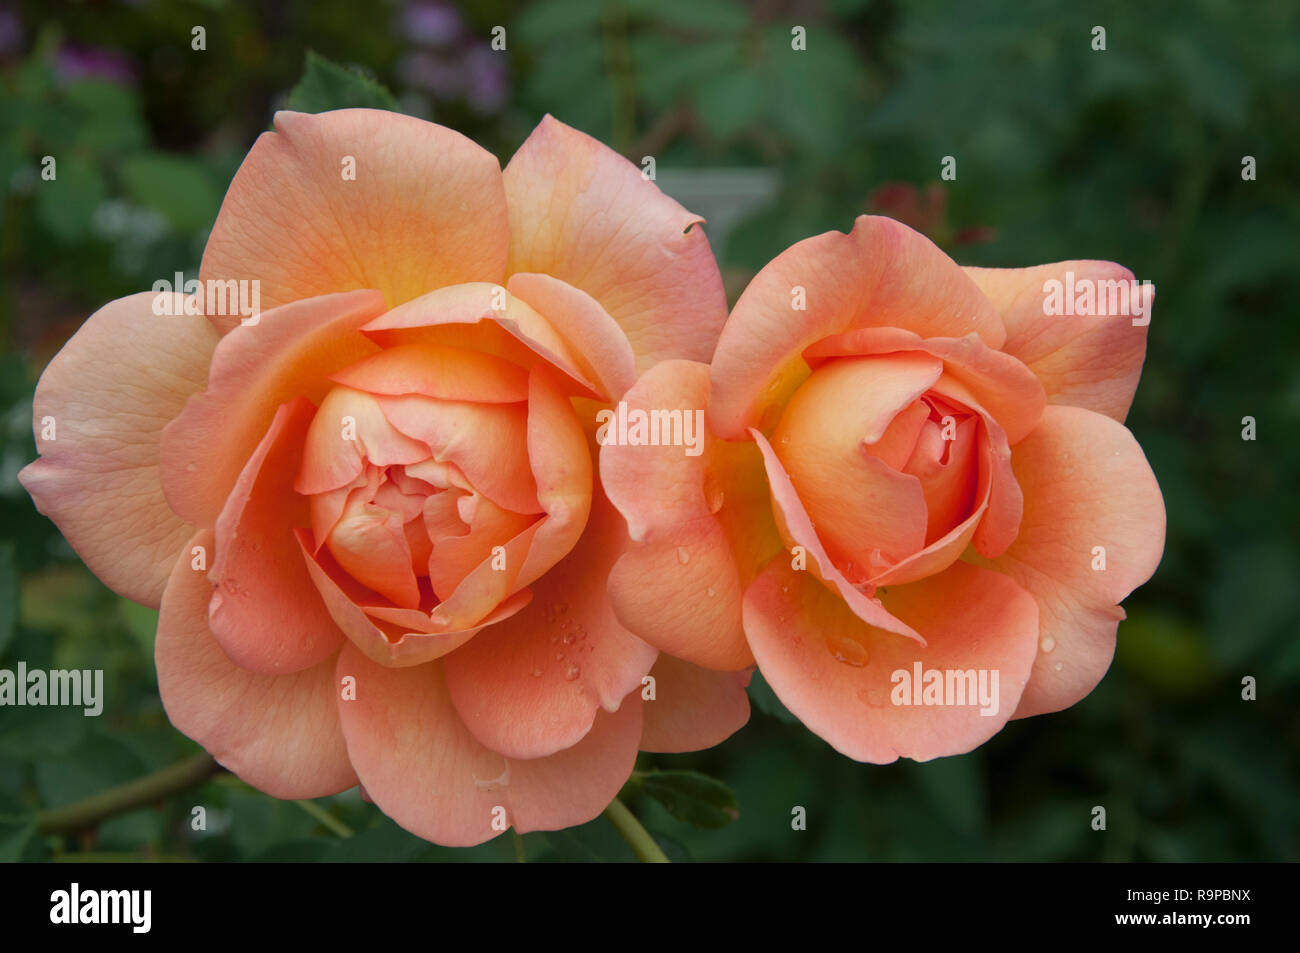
<point x="1091" y="362"/>
<point x="110" y="392"/>
<point x="532" y="684"/>
<point x="256" y="368"/>
<point x="1086" y="483"/>
<point x="426" y="209"/>
<point x="582" y="213"/>
<point x="971" y="620"/>
<point x="694" y="708"/>
<point x="265" y="613"/>
<point x="280" y="733"/>
<point x="679" y="584"/>
<point x="882" y="274"/>
<point x="424" y="769"/>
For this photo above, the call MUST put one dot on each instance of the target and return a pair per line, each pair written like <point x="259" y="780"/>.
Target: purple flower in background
<point x="11" y="32"/>
<point x="442" y="76"/>
<point x="431" y="23"/>
<point x="485" y="80"/>
<point x="74" y="62"/>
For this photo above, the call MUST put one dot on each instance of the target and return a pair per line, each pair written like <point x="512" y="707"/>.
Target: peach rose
<point x="368" y="514"/>
<point x="947" y="467"/>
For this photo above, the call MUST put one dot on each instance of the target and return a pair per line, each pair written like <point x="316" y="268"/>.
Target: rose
<point x="948" y="467"/>
<point x="369" y="514"/>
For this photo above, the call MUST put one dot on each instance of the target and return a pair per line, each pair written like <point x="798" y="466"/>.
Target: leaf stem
<point x="638" y="837"/>
<point x="325" y="818"/>
<point x="127" y="797"/>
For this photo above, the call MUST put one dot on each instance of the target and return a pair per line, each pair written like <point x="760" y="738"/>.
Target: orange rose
<point x="946" y="463"/>
<point x="369" y="514"/>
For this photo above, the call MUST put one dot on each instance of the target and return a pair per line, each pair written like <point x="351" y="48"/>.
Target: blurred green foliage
<point x="1132" y="154"/>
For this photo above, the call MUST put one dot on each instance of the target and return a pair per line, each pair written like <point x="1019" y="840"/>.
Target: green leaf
<point x="66" y="203"/>
<point x="692" y="797"/>
<point x="326" y="85"/>
<point x="16" y="833"/>
<point x="177" y="188"/>
<point x="8" y="596"/>
<point x="731" y="103"/>
<point x="141" y="622"/>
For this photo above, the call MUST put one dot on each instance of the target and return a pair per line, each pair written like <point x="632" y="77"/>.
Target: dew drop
<point x="1049" y="643"/>
<point x="846" y="650"/>
<point x="714" y="498"/>
<point x="683" y="556"/>
<point x="572" y="673"/>
<point x="1059" y="665"/>
<point x="711" y="592"/>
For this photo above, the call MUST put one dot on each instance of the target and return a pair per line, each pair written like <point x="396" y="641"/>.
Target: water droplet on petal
<point x="572" y="673"/>
<point x="711" y="592"/>
<point x="847" y="650"/>
<point x="1049" y="643"/>
<point x="1059" y="665"/>
<point x="683" y="556"/>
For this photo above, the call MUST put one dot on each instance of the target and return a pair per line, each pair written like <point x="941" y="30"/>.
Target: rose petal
<point x="279" y="733"/>
<point x="972" y="619"/>
<point x="352" y="428"/>
<point x="585" y="215"/>
<point x="882" y="274"/>
<point x="487" y="442"/>
<point x="1086" y="361"/>
<point x="679" y="584"/>
<point x="1001" y="383"/>
<point x="798" y="529"/>
<point x="427" y="772"/>
<point x="601" y="349"/>
<point x="294" y="220"/>
<point x="265" y="612"/>
<point x="256" y="368"/>
<point x="390" y="635"/>
<point x="1086" y="484"/>
<point x="531" y="685"/>
<point x="485" y="318"/>
<point x="108" y="395"/>
<point x="868" y="514"/>
<point x="448" y="373"/>
<point x="693" y="707"/>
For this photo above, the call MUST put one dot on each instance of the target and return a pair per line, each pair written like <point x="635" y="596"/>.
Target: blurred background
<point x="1133" y="153"/>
